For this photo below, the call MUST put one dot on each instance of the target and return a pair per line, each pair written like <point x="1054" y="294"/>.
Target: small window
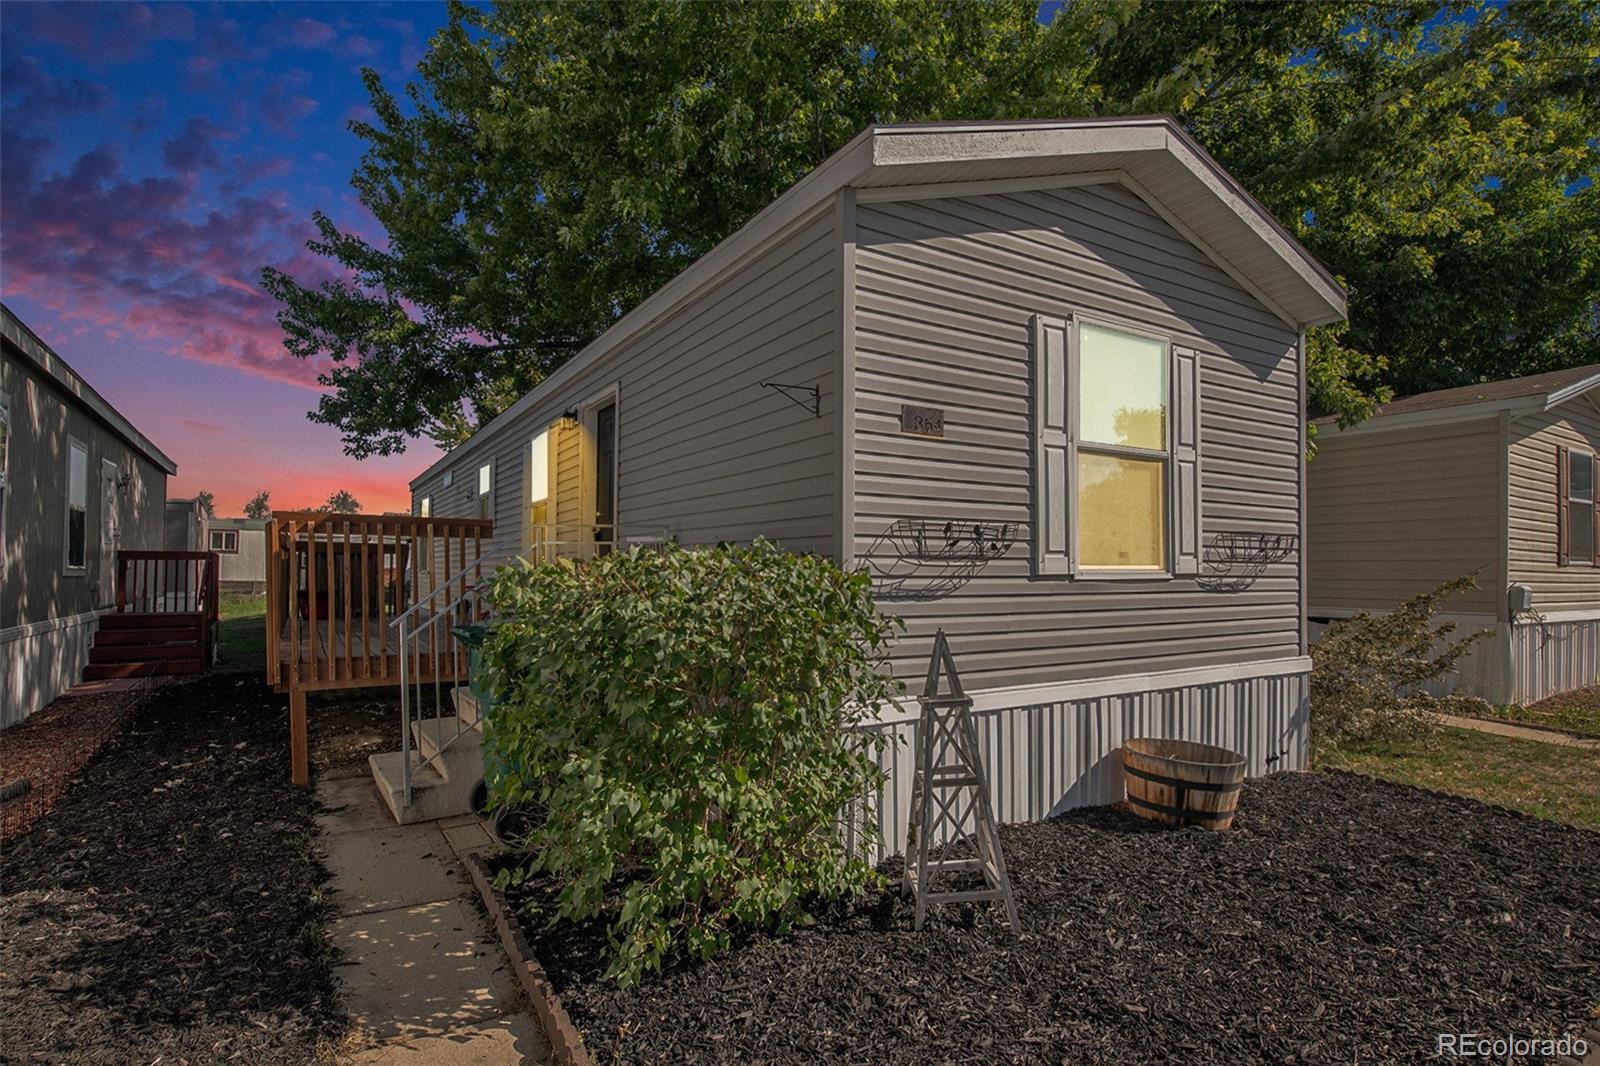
<point x="1580" y="509"/>
<point x="225" y="541"/>
<point x="1122" y="451"/>
<point x="425" y="508"/>
<point x="485" y="490"/>
<point x="449" y="478"/>
<point x="77" y="504"/>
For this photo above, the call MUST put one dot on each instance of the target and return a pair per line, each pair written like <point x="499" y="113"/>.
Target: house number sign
<point x="922" y="421"/>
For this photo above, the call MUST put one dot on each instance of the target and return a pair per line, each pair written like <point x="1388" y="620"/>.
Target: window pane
<point x="1581" y="483"/>
<point x="78" y="477"/>
<point x="427" y="507"/>
<point x="1122" y="389"/>
<point x="539" y="468"/>
<point x="76" y="527"/>
<point x="1580" y="531"/>
<point x="1121" y="511"/>
<point x="483" y="480"/>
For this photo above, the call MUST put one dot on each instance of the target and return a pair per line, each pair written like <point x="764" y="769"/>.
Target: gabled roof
<point x="1537" y="392"/>
<point x="1153" y="155"/>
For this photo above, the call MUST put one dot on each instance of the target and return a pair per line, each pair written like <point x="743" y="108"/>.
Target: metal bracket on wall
<point x="793" y="394"/>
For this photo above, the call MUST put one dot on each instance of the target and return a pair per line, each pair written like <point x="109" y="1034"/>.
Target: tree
<point x="554" y="164"/>
<point x="207" y="503"/>
<point x="259" y="507"/>
<point x="342" y="502"/>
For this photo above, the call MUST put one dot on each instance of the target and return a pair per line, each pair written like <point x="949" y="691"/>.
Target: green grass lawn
<point x="1544" y="780"/>
<point x="1577" y="712"/>
<point x="242" y="634"/>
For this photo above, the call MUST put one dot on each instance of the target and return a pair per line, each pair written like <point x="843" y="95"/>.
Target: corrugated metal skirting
<point x="1046" y="758"/>
<point x="1552" y="657"/>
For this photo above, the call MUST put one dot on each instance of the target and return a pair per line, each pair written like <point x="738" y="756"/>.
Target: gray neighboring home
<point x="1498" y="478"/>
<point x="241" y="547"/>
<point x="1046" y="379"/>
<point x="78" y="482"/>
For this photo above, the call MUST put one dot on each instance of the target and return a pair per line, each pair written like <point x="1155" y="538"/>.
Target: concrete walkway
<point x="1521" y="732"/>
<point x="423" y="977"/>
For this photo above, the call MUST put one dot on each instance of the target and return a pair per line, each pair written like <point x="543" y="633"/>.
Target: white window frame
<point x="74" y="445"/>
<point x="425" y="507"/>
<point x="485" y="493"/>
<point x="1587" y="505"/>
<point x="1180" y="551"/>
<point x="225" y="534"/>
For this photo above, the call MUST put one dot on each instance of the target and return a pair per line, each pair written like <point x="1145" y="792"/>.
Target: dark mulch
<point x="169" y="908"/>
<point x="1343" y="919"/>
<point x="41" y="754"/>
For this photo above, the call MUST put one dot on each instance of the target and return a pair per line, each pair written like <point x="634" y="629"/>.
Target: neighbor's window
<point x="1580" y="509"/>
<point x="5" y="449"/>
<point x="485" y="487"/>
<point x="77" y="504"/>
<point x="1122" y="450"/>
<point x="425" y="508"/>
<point x="225" y="540"/>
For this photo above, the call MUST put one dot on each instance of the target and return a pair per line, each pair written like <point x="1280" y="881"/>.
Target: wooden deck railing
<point x="171" y="582"/>
<point x="335" y="581"/>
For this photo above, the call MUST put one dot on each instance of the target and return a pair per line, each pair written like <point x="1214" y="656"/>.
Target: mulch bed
<point x="169" y="908"/>
<point x="40" y="755"/>
<point x="1342" y="919"/>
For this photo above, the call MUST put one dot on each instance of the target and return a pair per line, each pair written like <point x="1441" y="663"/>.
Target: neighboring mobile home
<point x="241" y="548"/>
<point x="1496" y="478"/>
<point x="1046" y="379"/>
<point x="78" y="483"/>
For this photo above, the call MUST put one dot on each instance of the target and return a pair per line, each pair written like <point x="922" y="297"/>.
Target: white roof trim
<point x="1577" y="388"/>
<point x="873" y="158"/>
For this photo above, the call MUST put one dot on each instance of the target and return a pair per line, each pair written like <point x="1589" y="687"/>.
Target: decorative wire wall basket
<point x="1233" y="561"/>
<point x="949" y="540"/>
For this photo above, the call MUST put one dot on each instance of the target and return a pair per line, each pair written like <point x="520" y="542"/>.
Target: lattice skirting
<point x="1045" y="758"/>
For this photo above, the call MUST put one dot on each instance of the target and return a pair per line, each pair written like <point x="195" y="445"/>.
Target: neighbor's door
<point x="110" y="532"/>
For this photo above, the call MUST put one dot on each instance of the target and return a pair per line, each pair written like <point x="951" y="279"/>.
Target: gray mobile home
<point x="78" y="483"/>
<point x="1045" y="379"/>
<point x="1496" y="478"/>
<point x="240" y="545"/>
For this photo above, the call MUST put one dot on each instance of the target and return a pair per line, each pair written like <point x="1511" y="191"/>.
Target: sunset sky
<point x="155" y="157"/>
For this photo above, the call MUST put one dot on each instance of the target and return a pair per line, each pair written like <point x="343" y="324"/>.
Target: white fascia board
<point x="1577" y="388"/>
<point x="1470" y="412"/>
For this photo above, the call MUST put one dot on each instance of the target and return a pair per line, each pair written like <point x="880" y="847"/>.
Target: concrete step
<point x="466" y="705"/>
<point x="431" y="735"/>
<point x="432" y="796"/>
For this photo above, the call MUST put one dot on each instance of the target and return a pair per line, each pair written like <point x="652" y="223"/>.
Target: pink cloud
<point x="309" y="33"/>
<point x="114" y="33"/>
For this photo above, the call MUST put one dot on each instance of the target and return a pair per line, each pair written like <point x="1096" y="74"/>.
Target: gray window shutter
<point x="1052" y="448"/>
<point x="1563" y="505"/>
<point x="1185" y="461"/>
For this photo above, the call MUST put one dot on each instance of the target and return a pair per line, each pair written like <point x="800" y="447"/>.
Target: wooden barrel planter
<point x="1181" y="782"/>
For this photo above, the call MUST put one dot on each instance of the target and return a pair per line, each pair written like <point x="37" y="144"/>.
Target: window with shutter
<point x="1576" y="511"/>
<point x="1116" y="451"/>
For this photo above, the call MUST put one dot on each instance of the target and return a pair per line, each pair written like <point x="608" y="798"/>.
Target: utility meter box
<point x="1519" y="598"/>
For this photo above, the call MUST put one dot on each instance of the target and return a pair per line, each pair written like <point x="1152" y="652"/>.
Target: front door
<point x="110" y="532"/>
<point x="605" y="478"/>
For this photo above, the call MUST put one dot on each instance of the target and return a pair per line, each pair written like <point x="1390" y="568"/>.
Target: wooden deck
<point x="335" y="582"/>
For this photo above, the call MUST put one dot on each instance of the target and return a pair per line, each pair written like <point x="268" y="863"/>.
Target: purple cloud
<point x="309" y="33"/>
<point x="108" y="33"/>
<point x="195" y="148"/>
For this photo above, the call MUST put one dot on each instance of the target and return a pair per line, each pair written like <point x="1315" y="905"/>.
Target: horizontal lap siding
<point x="705" y="454"/>
<point x="944" y="292"/>
<point x="1534" y="439"/>
<point x="1397" y="513"/>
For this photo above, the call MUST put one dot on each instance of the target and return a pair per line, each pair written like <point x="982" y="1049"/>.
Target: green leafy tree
<point x="554" y="164"/>
<point x="341" y="502"/>
<point x="685" y="723"/>
<point x="259" y="506"/>
<point x="207" y="503"/>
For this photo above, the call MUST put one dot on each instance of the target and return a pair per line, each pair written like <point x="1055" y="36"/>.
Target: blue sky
<point x="156" y="156"/>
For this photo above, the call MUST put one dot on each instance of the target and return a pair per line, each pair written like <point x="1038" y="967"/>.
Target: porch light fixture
<point x="570" y="415"/>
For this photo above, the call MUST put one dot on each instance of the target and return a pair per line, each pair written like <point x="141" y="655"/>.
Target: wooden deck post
<point x="299" y="751"/>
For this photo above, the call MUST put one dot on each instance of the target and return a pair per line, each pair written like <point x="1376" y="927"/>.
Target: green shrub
<point x="1370" y="672"/>
<point x="682" y="720"/>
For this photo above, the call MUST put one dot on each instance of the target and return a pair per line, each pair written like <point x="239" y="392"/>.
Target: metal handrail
<point x="475" y="566"/>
